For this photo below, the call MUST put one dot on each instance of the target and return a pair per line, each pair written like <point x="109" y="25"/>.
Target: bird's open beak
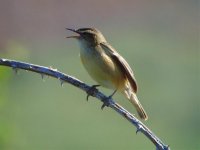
<point x="73" y="36"/>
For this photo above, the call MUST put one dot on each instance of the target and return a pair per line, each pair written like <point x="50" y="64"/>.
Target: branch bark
<point x="140" y="127"/>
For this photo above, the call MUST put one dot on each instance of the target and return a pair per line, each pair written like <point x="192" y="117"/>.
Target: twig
<point x="69" y="79"/>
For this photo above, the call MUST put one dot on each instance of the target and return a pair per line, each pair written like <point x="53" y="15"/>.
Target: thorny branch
<point x="69" y="79"/>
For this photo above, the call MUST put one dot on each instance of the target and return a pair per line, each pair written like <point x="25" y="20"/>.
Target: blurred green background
<point x="159" y="39"/>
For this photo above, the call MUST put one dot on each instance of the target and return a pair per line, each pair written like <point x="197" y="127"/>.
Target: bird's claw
<point x="106" y="102"/>
<point x="92" y="90"/>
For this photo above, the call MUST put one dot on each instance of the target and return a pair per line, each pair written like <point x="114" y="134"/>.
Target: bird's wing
<point x="121" y="62"/>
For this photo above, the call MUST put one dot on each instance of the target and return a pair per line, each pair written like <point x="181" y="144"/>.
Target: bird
<point x="106" y="66"/>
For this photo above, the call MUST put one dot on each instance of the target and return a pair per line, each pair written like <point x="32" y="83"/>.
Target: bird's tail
<point x="134" y="100"/>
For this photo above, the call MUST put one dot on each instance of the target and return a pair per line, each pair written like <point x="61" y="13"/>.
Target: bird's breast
<point x="101" y="67"/>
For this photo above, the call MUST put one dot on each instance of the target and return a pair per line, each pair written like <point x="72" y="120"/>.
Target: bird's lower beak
<point x="73" y="36"/>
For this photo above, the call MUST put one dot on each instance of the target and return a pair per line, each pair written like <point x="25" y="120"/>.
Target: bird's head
<point x="89" y="36"/>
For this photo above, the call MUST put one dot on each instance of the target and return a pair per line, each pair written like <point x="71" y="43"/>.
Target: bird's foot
<point x="92" y="90"/>
<point x="106" y="101"/>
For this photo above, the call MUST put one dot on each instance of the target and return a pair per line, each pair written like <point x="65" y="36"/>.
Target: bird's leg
<point x="106" y="100"/>
<point x="92" y="90"/>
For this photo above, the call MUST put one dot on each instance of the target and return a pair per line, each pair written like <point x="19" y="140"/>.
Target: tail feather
<point x="134" y="100"/>
<point x="140" y="110"/>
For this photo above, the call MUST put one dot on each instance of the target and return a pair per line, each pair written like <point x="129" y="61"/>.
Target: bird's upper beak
<point x="73" y="36"/>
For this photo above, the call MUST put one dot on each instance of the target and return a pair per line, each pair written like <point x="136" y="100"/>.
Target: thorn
<point x="87" y="98"/>
<point x="138" y="129"/>
<point x="61" y="82"/>
<point x="15" y="69"/>
<point x="102" y="107"/>
<point x="167" y="146"/>
<point x="42" y="75"/>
